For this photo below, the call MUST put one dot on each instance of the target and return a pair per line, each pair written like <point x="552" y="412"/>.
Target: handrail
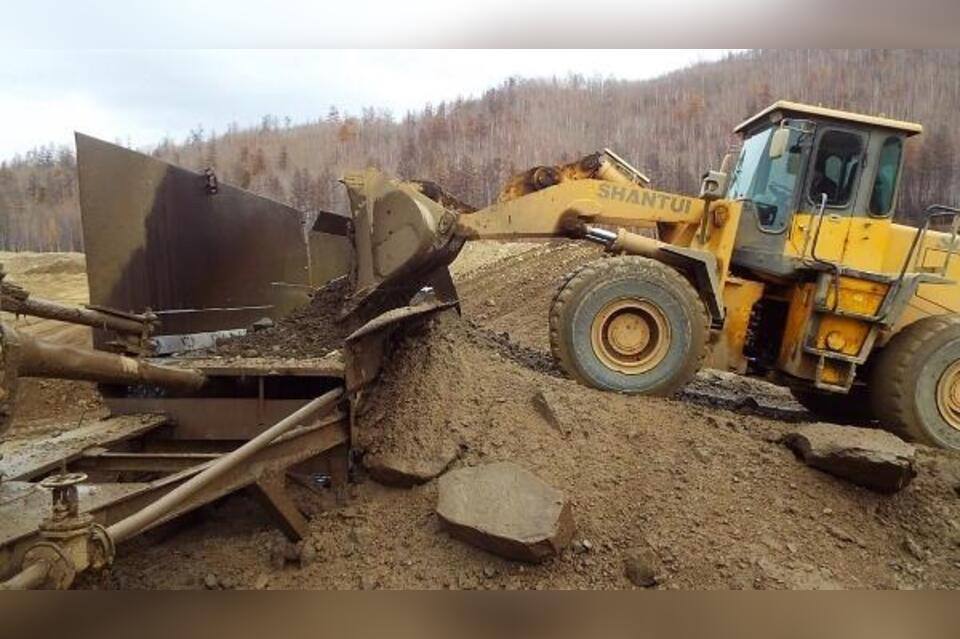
<point x="931" y="212"/>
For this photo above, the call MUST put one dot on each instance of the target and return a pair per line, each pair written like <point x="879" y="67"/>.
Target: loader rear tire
<point x="629" y="324"/>
<point x="916" y="382"/>
<point x="849" y="409"/>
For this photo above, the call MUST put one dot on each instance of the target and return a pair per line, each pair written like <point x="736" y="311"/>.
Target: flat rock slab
<point x="411" y="468"/>
<point x="507" y="510"/>
<point x="871" y="458"/>
<point x="553" y="407"/>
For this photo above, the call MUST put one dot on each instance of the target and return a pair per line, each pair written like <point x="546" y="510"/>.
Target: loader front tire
<point x="916" y="382"/>
<point x="629" y="324"/>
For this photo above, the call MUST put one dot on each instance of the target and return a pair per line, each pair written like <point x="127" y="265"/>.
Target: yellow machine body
<point x="786" y="265"/>
<point x="843" y="279"/>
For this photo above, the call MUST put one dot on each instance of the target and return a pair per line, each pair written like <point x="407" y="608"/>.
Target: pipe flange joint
<point x="102" y="547"/>
<point x="60" y="573"/>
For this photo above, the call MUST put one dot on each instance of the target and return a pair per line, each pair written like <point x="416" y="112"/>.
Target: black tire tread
<point x="894" y="373"/>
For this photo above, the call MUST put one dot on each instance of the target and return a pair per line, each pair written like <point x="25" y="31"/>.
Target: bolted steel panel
<point x="204" y="256"/>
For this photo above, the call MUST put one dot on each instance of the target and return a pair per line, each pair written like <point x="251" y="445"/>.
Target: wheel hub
<point x="631" y="336"/>
<point x="628" y="333"/>
<point x="948" y="395"/>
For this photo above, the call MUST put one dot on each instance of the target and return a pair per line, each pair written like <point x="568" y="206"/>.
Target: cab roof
<point x="787" y="108"/>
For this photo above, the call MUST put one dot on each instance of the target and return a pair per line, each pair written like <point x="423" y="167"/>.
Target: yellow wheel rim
<point x="631" y="336"/>
<point x="948" y="395"/>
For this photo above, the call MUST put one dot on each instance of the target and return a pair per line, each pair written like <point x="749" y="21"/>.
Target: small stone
<point x="278" y="557"/>
<point x="210" y="582"/>
<point x="912" y="547"/>
<point x="792" y="548"/>
<point x="263" y="580"/>
<point x="291" y="551"/>
<point x="828" y="511"/>
<point x="250" y="353"/>
<point x="262" y="324"/>
<point x="554" y="409"/>
<point x="579" y="547"/>
<point x="841" y="534"/>
<point x="227" y="583"/>
<point x="308" y="554"/>
<point x="640" y="566"/>
<point x="489" y="572"/>
<point x="359" y="535"/>
<point x="701" y="454"/>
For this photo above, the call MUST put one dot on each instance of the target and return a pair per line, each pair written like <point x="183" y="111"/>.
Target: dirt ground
<point x="701" y="480"/>
<point x="60" y="277"/>
<point x="710" y="490"/>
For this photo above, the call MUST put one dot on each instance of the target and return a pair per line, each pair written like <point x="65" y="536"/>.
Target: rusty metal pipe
<point x="37" y="307"/>
<point x="39" y="358"/>
<point x="144" y="518"/>
<point x="34" y="575"/>
<point x="29" y="578"/>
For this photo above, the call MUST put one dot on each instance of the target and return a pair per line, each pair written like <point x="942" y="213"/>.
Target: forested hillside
<point x="673" y="128"/>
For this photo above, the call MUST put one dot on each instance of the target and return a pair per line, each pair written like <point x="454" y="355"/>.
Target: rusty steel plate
<point x="203" y="256"/>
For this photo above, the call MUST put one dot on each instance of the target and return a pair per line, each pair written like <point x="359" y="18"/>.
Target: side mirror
<point x="779" y="142"/>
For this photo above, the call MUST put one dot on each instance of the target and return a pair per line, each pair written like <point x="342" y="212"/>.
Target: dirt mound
<point x="30" y="263"/>
<point x="59" y="265"/>
<point x="711" y="494"/>
<point x="707" y="495"/>
<point x="311" y="331"/>
<point x="482" y="254"/>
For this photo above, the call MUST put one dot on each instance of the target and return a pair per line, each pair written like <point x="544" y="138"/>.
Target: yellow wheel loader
<point x="787" y="265"/>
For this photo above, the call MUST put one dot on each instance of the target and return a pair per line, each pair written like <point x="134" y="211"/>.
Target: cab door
<point x="820" y="232"/>
<point x="868" y="241"/>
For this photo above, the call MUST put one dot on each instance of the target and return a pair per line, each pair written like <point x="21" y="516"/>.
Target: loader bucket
<point x="403" y="241"/>
<point x="399" y="230"/>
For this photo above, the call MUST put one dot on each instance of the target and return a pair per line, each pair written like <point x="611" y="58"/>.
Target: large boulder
<point x="506" y="510"/>
<point x="871" y="458"/>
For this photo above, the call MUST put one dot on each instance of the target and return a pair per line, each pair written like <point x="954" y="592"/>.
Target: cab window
<point x="888" y="168"/>
<point x="770" y="183"/>
<point x="835" y="169"/>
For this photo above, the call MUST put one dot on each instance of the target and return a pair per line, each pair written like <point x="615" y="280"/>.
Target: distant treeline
<point x="673" y="128"/>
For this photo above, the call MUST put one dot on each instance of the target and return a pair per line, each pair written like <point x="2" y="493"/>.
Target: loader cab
<point x="803" y="169"/>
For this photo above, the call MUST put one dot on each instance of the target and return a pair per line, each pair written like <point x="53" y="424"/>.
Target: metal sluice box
<point x="206" y="259"/>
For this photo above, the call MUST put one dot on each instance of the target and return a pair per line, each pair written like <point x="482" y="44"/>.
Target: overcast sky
<point x="144" y="95"/>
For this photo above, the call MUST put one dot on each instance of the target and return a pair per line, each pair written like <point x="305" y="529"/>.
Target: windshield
<point x="768" y="183"/>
